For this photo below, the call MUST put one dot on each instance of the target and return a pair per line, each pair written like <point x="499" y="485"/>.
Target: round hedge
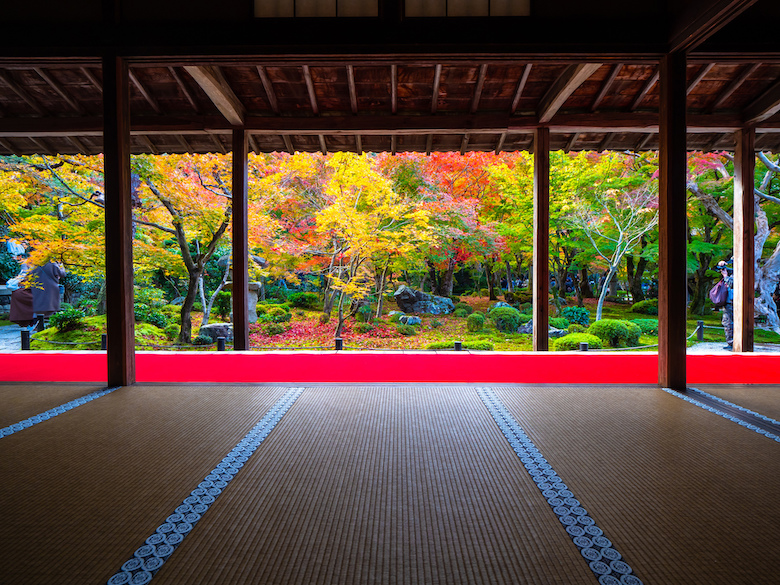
<point x="611" y="331"/>
<point x="648" y="307"/>
<point x="579" y="315"/>
<point x="475" y="322"/>
<point x="466" y="307"/>
<point x="648" y="326"/>
<point x="576" y="328"/>
<point x="507" y="319"/>
<point x="571" y="342"/>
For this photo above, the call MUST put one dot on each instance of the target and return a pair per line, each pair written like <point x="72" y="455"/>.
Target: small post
<point x="103" y="342"/>
<point x="584" y="346"/>
<point x="25" y="339"/>
<point x="699" y="330"/>
<point x="220" y="344"/>
<point x="339" y="344"/>
<point x="458" y="345"/>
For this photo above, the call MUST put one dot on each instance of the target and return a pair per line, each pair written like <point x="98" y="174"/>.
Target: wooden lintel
<point x="184" y="89"/>
<point x="43" y="74"/>
<point x="764" y="107"/>
<point x="310" y="89"/>
<point x="268" y="86"/>
<point x="572" y="78"/>
<point x="216" y="87"/>
<point x="394" y="88"/>
<point x="436" y="84"/>
<point x="145" y="93"/>
<point x="19" y="91"/>
<point x="478" y="87"/>
<point x="733" y="86"/>
<point x="701" y="19"/>
<point x="520" y="87"/>
<point x="699" y="76"/>
<point x="605" y="87"/>
<point x="644" y="91"/>
<point x="352" y="89"/>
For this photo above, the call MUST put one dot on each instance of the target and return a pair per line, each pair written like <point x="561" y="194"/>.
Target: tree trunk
<point x="206" y="306"/>
<point x="446" y="281"/>
<point x="509" y="286"/>
<point x="381" y="290"/>
<point x="185" y="335"/>
<point x="490" y="282"/>
<point x="585" y="289"/>
<point x="635" y="275"/>
<point x="604" y="289"/>
<point x="340" y="324"/>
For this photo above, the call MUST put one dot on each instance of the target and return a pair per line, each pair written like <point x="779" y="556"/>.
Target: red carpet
<point x="344" y="367"/>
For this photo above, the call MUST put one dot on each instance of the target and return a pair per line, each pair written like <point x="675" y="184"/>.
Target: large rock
<point x="552" y="332"/>
<point x="409" y="320"/>
<point x="215" y="330"/>
<point x="415" y="301"/>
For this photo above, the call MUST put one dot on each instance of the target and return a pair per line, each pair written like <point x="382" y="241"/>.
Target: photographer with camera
<point x="728" y="309"/>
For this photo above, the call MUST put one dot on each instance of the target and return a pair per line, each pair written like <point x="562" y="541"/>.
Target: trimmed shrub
<point x="173" y="312"/>
<point x="571" y="342"/>
<point x="455" y="299"/>
<point x="575" y="328"/>
<point x="172" y="331"/>
<point x="363" y="327"/>
<point x="466" y="307"/>
<point x="197" y="307"/>
<point x="483" y="292"/>
<point x="525" y="318"/>
<point x="611" y="331"/>
<point x="222" y="304"/>
<point x="436" y="324"/>
<point x="261" y="309"/>
<point x="475" y="345"/>
<point x="648" y="326"/>
<point x="277" y="314"/>
<point x="395" y="318"/>
<point x="202" y="340"/>
<point x="526" y="307"/>
<point x="156" y="318"/>
<point x="578" y="315"/>
<point x="324" y="318"/>
<point x="304" y="300"/>
<point x="559" y="322"/>
<point x="273" y="328"/>
<point x="475" y="322"/>
<point x="634" y="331"/>
<point x="461" y="313"/>
<point x="648" y="307"/>
<point x="363" y="313"/>
<point x="507" y="319"/>
<point x="67" y="320"/>
<point x="406" y="330"/>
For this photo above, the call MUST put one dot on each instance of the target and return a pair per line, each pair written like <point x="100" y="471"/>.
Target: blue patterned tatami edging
<point x="52" y="412"/>
<point x="149" y="557"/>
<point x="730" y="405"/>
<point x="597" y="550"/>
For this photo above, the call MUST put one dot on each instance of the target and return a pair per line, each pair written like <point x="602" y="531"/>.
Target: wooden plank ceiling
<point x="357" y="105"/>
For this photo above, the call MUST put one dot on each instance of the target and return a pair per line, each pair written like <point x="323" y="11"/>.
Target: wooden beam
<point x="120" y="325"/>
<point x="733" y="86"/>
<point x="78" y="144"/>
<point x="712" y="143"/>
<point x="253" y="144"/>
<point x="645" y="141"/>
<point x="744" y="239"/>
<point x="763" y="107"/>
<point x="184" y="143"/>
<point x="149" y="144"/>
<point x="268" y="86"/>
<point x="43" y="147"/>
<point x="92" y="79"/>
<point x="429" y="144"/>
<point x="310" y="88"/>
<point x="352" y="90"/>
<point x="701" y="19"/>
<point x="699" y="76"/>
<point x="520" y="87"/>
<point x="501" y="140"/>
<point x="645" y="89"/>
<point x="572" y="78"/>
<point x="393" y="144"/>
<point x="572" y="141"/>
<point x="215" y="139"/>
<point x="604" y="144"/>
<point x="464" y="144"/>
<point x="19" y="91"/>
<point x="394" y="88"/>
<point x="288" y="144"/>
<point x="9" y="147"/>
<point x="59" y="90"/>
<point x="672" y="224"/>
<point x="358" y="144"/>
<point x="240" y="202"/>
<point x="541" y="251"/>
<point x="478" y="88"/>
<point x="436" y="84"/>
<point x="145" y="93"/>
<point x="214" y="84"/>
<point x="184" y="89"/>
<point x="323" y="144"/>
<point x="605" y="87"/>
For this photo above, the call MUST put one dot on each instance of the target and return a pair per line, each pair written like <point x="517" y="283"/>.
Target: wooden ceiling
<point x="412" y="100"/>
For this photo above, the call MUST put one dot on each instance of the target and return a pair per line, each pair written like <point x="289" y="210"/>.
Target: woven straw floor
<point x="380" y="484"/>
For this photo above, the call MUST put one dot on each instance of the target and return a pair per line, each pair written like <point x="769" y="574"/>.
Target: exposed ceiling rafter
<point x="571" y="79"/>
<point x="213" y="83"/>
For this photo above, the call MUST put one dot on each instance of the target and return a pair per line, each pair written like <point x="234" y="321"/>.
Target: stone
<point x="410" y="320"/>
<point x="528" y="328"/>
<point x="415" y="301"/>
<point x="391" y="313"/>
<point x="500" y="304"/>
<point x="554" y="333"/>
<point x="215" y="330"/>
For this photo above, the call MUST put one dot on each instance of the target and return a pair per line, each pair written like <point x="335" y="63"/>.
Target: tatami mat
<point x="21" y="401"/>
<point x="758" y="398"/>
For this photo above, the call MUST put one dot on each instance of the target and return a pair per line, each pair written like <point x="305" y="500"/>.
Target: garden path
<point x="10" y="338"/>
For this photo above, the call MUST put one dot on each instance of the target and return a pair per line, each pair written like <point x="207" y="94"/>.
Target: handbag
<point x="719" y="294"/>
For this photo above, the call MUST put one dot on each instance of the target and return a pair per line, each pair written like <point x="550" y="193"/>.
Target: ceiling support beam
<point x="606" y="86"/>
<point x="436" y="84"/>
<point x="733" y="86"/>
<point x="184" y="143"/>
<point x="541" y="244"/>
<point x="323" y="144"/>
<point x="288" y="144"/>
<point x="672" y="223"/>
<point x="310" y="89"/>
<point x="394" y="89"/>
<point x="744" y="234"/>
<point x="78" y="144"/>
<point x="9" y="147"/>
<point x="75" y="106"/>
<point x="149" y="144"/>
<point x="478" y="88"/>
<point x="572" y="142"/>
<point x="765" y="106"/>
<point x="464" y="144"/>
<point x="699" y="76"/>
<point x="520" y="87"/>
<point x="252" y="144"/>
<point x="215" y="139"/>
<point x="645" y="90"/>
<point x="572" y="78"/>
<point x="119" y="223"/>
<point x="352" y="89"/>
<point x="701" y="19"/>
<point x="501" y="140"/>
<point x="268" y="86"/>
<point x="604" y="144"/>
<point x="92" y="79"/>
<point x="43" y="147"/>
<point x="14" y="87"/>
<point x="184" y="89"/>
<point x="240" y="219"/>
<point x="144" y="92"/>
<point x="214" y="84"/>
<point x="645" y="141"/>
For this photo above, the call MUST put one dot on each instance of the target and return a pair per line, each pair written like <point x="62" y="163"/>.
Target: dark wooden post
<point x="240" y="242"/>
<point x="119" y="223"/>
<point x="672" y="247"/>
<point x="541" y="281"/>
<point x="744" y="237"/>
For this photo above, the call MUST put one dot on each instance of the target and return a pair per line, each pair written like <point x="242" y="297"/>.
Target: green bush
<point x="475" y="322"/>
<point x="455" y="299"/>
<point x="261" y="309"/>
<point x="558" y="322"/>
<point x="475" y="345"/>
<point x="67" y="320"/>
<point x="89" y="307"/>
<point x="483" y="292"/>
<point x="525" y="318"/>
<point x="197" y="307"/>
<point x="634" y="331"/>
<point x="466" y="307"/>
<point x="576" y="328"/>
<point x="273" y="328"/>
<point x="363" y="313"/>
<point x="648" y="307"/>
<point x="363" y="327"/>
<point x="395" y="318"/>
<point x="222" y="305"/>
<point x="172" y="312"/>
<point x="202" y="340"/>
<point x="611" y="331"/>
<point x="304" y="300"/>
<point x="579" y="315"/>
<point x="435" y="324"/>
<point x="525" y="307"/>
<point x="571" y="342"/>
<point x="461" y="313"/>
<point x="156" y="318"/>
<point x="172" y="331"/>
<point x="406" y="330"/>
<point x="277" y="314"/>
<point x="507" y="319"/>
<point x="648" y="326"/>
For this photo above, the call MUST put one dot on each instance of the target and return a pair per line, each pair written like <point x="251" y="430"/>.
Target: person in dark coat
<point x="21" y="298"/>
<point x="45" y="285"/>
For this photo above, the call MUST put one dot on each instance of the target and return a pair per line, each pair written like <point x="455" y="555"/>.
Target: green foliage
<point x="363" y="328"/>
<point x="197" y="307"/>
<point x="507" y="319"/>
<point x="202" y="340"/>
<point x="648" y="326"/>
<point x="634" y="332"/>
<point x="67" y="320"/>
<point x="273" y="328"/>
<point x="395" y="318"/>
<point x="648" y="307"/>
<point x="156" y="318"/>
<point x="435" y="324"/>
<point x="466" y="307"/>
<point x="172" y="331"/>
<point x="559" y="322"/>
<point x="277" y="314"/>
<point x="406" y="330"/>
<point x="150" y="296"/>
<point x="611" y="331"/>
<point x="363" y="313"/>
<point x="261" y="309"/>
<point x="304" y="300"/>
<point x="525" y="318"/>
<point x="475" y="322"/>
<point x="88" y="306"/>
<point x="519" y="296"/>
<point x="578" y="315"/>
<point x="576" y="328"/>
<point x="474" y="345"/>
<point x="222" y="305"/>
<point x="172" y="312"/>
<point x="461" y="313"/>
<point x="483" y="292"/>
<point x="526" y="308"/>
<point x="571" y="342"/>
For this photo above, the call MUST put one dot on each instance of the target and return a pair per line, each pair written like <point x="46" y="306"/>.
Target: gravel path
<point x="10" y="338"/>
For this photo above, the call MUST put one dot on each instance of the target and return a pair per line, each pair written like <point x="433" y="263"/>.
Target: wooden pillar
<point x="672" y="227"/>
<point x="541" y="280"/>
<point x="744" y="238"/>
<point x="120" y="317"/>
<point x="240" y="242"/>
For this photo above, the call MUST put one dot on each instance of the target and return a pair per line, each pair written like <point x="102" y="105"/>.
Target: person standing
<point x="728" y="309"/>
